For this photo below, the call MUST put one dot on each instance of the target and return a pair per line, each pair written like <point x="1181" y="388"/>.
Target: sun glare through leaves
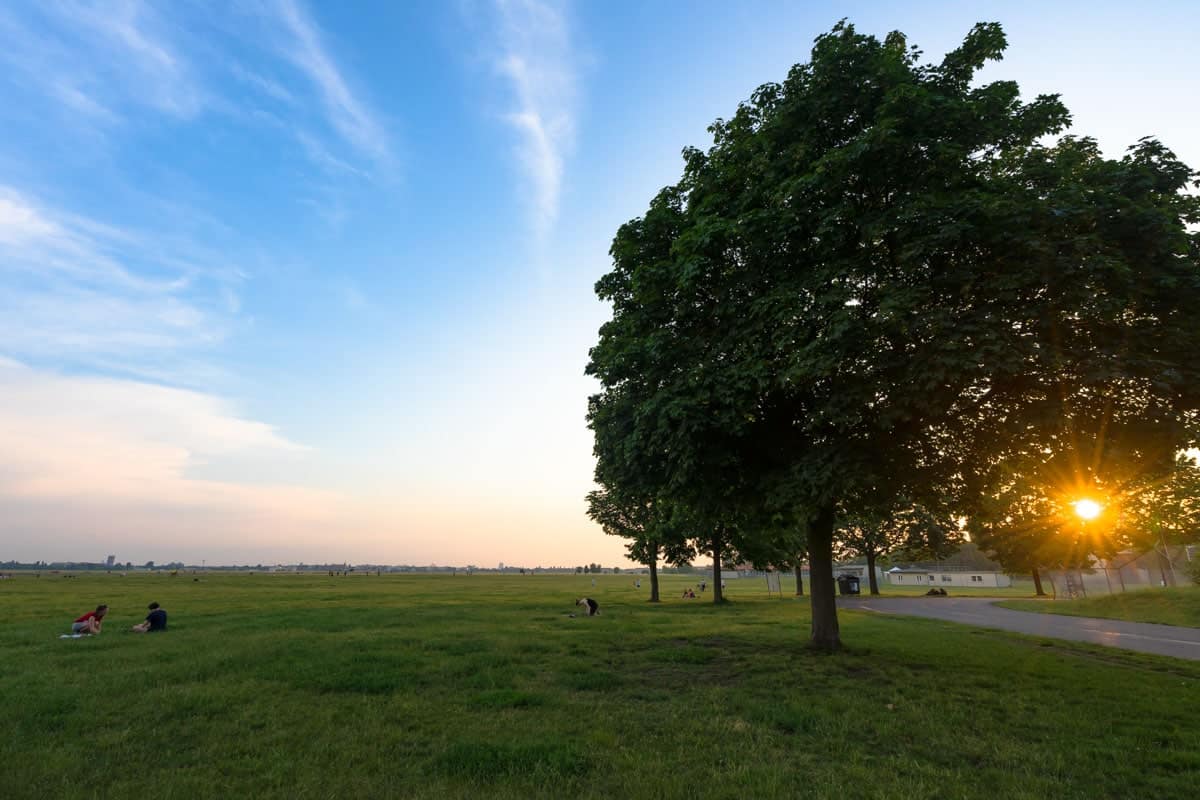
<point x="1087" y="509"/>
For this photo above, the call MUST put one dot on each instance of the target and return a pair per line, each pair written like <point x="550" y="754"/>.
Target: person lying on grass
<point x="156" y="620"/>
<point x="90" y="622"/>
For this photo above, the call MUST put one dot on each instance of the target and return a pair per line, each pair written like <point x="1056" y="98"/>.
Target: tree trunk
<point x="820" y="563"/>
<point x="799" y="579"/>
<point x="654" y="578"/>
<point x="874" y="584"/>
<point x="1037" y="583"/>
<point x="716" y="553"/>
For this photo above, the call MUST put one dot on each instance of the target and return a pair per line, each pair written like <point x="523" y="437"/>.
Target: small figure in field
<point x="637" y="584"/>
<point x="156" y="620"/>
<point x="722" y="586"/>
<point x="593" y="608"/>
<point x="593" y="583"/>
<point x="90" y="622"/>
<point x="703" y="586"/>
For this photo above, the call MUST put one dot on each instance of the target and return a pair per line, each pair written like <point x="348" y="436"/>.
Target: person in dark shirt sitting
<point x="156" y="621"/>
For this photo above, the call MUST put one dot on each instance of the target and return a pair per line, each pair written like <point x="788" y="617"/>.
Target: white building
<point x="928" y="578"/>
<point x="856" y="571"/>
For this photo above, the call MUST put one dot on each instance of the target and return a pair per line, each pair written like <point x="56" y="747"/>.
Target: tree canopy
<point x="879" y="283"/>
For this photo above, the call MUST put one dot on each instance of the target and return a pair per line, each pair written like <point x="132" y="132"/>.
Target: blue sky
<point x="289" y="280"/>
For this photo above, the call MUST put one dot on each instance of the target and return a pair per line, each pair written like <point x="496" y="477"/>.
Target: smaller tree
<point x="868" y="536"/>
<point x="1029" y="520"/>
<point x="779" y="543"/>
<point x="795" y="562"/>
<point x="1155" y="512"/>
<point x="932" y="535"/>
<point x="911" y="529"/>
<point x="650" y="526"/>
<point x="715" y="544"/>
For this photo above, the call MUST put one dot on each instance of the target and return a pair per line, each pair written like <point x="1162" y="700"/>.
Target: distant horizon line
<point x="148" y="566"/>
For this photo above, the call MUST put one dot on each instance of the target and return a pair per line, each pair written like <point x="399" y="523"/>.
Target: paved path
<point x="1164" y="640"/>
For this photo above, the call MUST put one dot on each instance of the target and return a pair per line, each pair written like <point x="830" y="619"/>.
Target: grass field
<point x="1174" y="606"/>
<point x="298" y="686"/>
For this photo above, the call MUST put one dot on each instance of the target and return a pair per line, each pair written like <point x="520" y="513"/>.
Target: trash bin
<point x="847" y="584"/>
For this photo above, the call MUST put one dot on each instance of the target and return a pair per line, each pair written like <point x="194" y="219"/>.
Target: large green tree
<point x="877" y="284"/>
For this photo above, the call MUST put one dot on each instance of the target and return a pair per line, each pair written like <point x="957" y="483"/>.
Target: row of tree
<point x="883" y="303"/>
<point x="912" y="534"/>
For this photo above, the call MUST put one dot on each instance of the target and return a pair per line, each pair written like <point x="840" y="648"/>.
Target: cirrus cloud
<point x="531" y="50"/>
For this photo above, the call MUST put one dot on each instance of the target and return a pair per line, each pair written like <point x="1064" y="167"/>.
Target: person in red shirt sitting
<point x="91" y="621"/>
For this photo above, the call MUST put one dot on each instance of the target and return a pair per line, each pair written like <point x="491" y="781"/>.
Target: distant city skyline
<point x="303" y="281"/>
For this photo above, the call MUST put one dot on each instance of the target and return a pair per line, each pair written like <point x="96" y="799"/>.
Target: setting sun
<point x="1087" y="509"/>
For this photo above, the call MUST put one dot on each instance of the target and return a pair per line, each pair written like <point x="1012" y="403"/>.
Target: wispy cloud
<point x="534" y="55"/>
<point x="266" y="85"/>
<point x="125" y="463"/>
<point x="100" y="64"/>
<point x="349" y="116"/>
<point x="76" y="288"/>
<point x="327" y="161"/>
<point x="120" y="50"/>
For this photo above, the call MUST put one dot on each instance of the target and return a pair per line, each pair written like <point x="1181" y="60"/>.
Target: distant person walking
<point x="156" y="620"/>
<point x="90" y="622"/>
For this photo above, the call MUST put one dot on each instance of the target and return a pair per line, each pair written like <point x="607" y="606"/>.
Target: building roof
<point x="943" y="571"/>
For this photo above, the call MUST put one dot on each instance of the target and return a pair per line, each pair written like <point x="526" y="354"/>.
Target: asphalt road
<point x="1163" y="640"/>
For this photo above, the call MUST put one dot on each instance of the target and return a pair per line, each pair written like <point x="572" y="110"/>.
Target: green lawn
<point x="436" y="686"/>
<point x="1173" y="606"/>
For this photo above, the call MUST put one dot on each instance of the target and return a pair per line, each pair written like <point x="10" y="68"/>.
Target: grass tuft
<point x="506" y="698"/>
<point x="591" y="680"/>
<point x="1174" y="606"/>
<point x="485" y="761"/>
